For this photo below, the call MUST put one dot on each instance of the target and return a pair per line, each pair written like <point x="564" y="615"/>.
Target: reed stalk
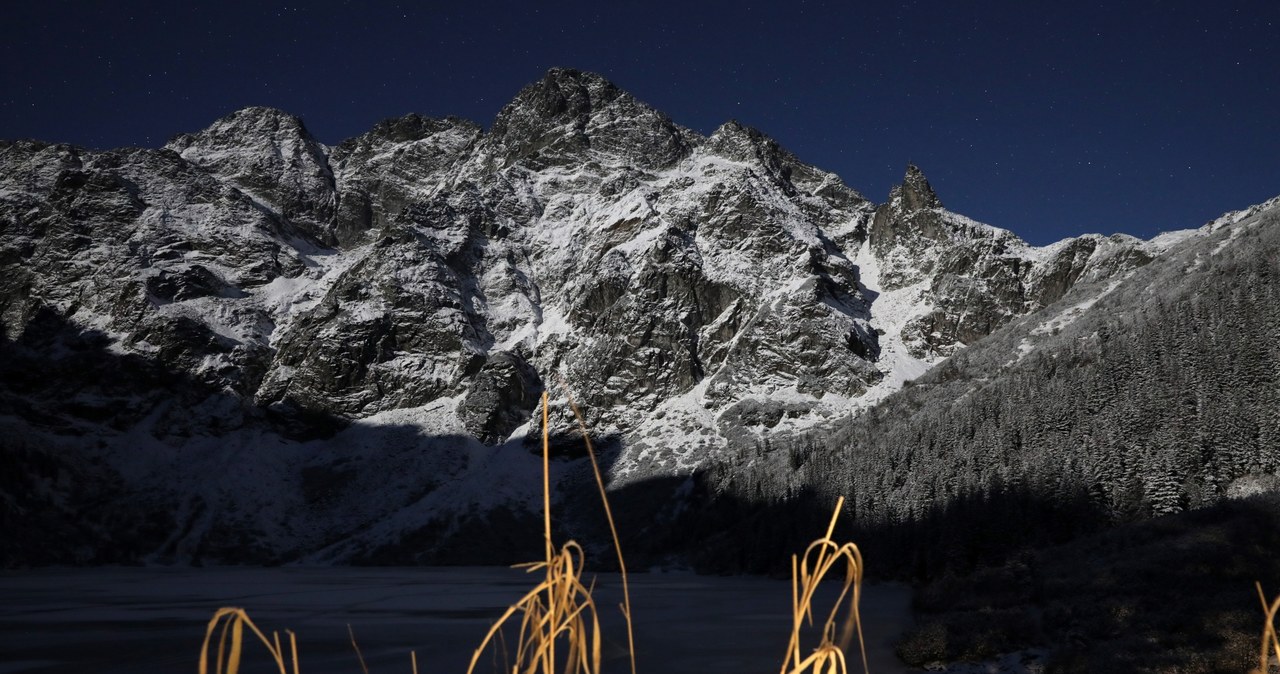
<point x="807" y="572"/>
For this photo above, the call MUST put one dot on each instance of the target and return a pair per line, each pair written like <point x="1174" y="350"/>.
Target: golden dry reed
<point x="1270" y="639"/>
<point x="807" y="572"/>
<point x="608" y="513"/>
<point x="233" y="621"/>
<point x="560" y="608"/>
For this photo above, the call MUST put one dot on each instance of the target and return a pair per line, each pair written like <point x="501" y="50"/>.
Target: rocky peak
<point x="738" y="142"/>
<point x="398" y="131"/>
<point x="567" y="113"/>
<point x="246" y="127"/>
<point x="915" y="193"/>
<point x="734" y="140"/>
<point x="413" y="127"/>
<point x="977" y="277"/>
<point x="272" y="158"/>
<point x="843" y="212"/>
<point x="382" y="173"/>
<point x="913" y="212"/>
<point x="563" y="94"/>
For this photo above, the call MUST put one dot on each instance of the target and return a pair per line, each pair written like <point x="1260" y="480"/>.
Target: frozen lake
<point x="151" y="620"/>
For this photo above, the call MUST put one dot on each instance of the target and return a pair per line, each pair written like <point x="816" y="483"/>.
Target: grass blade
<point x="613" y="530"/>
<point x="356" y="646"/>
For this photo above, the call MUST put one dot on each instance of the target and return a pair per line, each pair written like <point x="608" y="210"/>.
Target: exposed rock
<point x="270" y="156"/>
<point x="977" y="277"/>
<point x="502" y="396"/>
<point x="572" y="117"/>
<point x="247" y="288"/>
<point x="384" y="172"/>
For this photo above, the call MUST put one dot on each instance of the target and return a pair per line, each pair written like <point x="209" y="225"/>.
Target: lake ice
<point x="117" y="620"/>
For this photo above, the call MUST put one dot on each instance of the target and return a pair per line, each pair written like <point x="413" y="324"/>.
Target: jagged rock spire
<point x="904" y="216"/>
<point x="915" y="191"/>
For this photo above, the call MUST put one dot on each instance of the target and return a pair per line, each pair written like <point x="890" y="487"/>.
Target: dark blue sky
<point x="1050" y="119"/>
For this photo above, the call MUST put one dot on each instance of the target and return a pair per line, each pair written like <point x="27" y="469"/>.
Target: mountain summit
<point x="250" y="297"/>
<point x="567" y="113"/>
<point x="915" y="191"/>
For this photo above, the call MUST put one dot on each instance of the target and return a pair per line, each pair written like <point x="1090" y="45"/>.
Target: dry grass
<point x="554" y="611"/>
<point x="360" y="656"/>
<point x="233" y="621"/>
<point x="1270" y="639"/>
<point x="807" y="573"/>
<point x="608" y="513"/>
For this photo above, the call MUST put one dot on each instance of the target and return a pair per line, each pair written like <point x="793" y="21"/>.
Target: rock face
<point x="271" y="158"/>
<point x="692" y="292"/>
<point x="977" y="277"/>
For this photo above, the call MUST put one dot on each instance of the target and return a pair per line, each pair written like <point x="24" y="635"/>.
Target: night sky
<point x="1047" y="120"/>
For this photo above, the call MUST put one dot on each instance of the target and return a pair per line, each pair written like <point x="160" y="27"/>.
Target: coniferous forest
<point x="1084" y="473"/>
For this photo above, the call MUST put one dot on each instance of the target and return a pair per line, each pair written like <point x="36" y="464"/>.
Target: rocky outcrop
<point x="146" y="248"/>
<point x="502" y="397"/>
<point x="272" y="159"/>
<point x="381" y="173"/>
<point x="570" y="117"/>
<point x="977" y="277"/>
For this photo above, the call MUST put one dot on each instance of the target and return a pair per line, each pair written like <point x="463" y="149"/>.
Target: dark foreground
<point x="153" y="619"/>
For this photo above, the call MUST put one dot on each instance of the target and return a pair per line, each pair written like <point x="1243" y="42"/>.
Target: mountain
<point x="250" y="346"/>
<point x="1151" y="392"/>
<point x="1096" y="480"/>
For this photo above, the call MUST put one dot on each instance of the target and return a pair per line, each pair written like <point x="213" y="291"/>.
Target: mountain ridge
<point x="697" y="294"/>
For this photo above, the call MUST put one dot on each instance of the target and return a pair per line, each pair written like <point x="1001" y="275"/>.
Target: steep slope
<point x="234" y="300"/>
<point x="980" y="284"/>
<point x="270" y="157"/>
<point x="1145" y="394"/>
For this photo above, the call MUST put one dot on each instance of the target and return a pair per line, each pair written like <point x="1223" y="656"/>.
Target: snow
<point x="891" y="311"/>
<point x="554" y="322"/>
<point x="1226" y="241"/>
<point x="284" y="295"/>
<point x="1164" y="241"/>
<point x="1235" y="217"/>
<point x="641" y="242"/>
<point x="1069" y="314"/>
<point x="964" y="228"/>
<point x="285" y="298"/>
<point x="1043" y="254"/>
<point x="675" y="439"/>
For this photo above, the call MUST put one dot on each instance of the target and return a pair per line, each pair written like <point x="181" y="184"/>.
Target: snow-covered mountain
<point x="1149" y="392"/>
<point x="249" y="345"/>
